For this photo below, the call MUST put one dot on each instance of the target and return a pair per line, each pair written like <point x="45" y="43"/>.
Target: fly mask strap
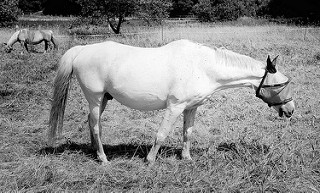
<point x="260" y="85"/>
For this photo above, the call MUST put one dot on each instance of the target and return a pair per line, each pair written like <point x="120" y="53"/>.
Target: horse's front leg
<point x="26" y="46"/>
<point x="188" y="123"/>
<point x="169" y="118"/>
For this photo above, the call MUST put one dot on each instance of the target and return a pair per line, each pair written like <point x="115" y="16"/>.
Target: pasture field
<point x="238" y="144"/>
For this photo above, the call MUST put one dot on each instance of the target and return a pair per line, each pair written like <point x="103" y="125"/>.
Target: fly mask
<point x="273" y="94"/>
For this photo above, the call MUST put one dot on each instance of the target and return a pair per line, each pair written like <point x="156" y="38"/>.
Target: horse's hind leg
<point x="97" y="104"/>
<point x="188" y="122"/>
<point x="104" y="102"/>
<point x="46" y="45"/>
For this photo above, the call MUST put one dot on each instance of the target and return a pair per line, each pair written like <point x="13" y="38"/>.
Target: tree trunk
<point x="116" y="29"/>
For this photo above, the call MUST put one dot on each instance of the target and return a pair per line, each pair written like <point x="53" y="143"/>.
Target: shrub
<point x="222" y="10"/>
<point x="229" y="10"/>
<point x="204" y="10"/>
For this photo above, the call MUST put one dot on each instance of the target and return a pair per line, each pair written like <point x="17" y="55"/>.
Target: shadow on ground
<point x="112" y="151"/>
<point x="129" y="151"/>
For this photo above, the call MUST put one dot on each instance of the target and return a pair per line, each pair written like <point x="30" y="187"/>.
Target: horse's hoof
<point x="186" y="157"/>
<point x="149" y="162"/>
<point x="106" y="164"/>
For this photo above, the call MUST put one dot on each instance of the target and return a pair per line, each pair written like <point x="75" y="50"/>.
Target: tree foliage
<point x="211" y="10"/>
<point x="153" y="10"/>
<point x="204" y="10"/>
<point x="115" y="11"/>
<point x="61" y="7"/>
<point x="31" y="6"/>
<point x="9" y="12"/>
<point x="182" y="8"/>
<point x="306" y="9"/>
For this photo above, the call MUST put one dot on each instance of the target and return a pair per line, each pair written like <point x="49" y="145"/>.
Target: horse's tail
<point x="54" y="41"/>
<point x="60" y="92"/>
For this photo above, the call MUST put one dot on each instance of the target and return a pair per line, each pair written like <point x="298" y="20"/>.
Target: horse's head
<point x="275" y="90"/>
<point x="7" y="48"/>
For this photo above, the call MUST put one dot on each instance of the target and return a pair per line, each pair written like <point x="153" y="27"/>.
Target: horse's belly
<point x="143" y="89"/>
<point x="140" y="101"/>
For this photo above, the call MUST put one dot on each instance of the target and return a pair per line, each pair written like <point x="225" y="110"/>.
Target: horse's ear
<point x="271" y="66"/>
<point x="274" y="61"/>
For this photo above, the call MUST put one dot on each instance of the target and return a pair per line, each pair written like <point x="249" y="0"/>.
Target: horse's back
<point x="35" y="36"/>
<point x="119" y="60"/>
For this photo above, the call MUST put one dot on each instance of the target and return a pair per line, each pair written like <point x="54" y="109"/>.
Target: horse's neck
<point x="13" y="39"/>
<point x="236" y="70"/>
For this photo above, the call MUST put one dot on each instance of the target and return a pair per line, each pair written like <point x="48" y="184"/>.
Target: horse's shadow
<point x="127" y="151"/>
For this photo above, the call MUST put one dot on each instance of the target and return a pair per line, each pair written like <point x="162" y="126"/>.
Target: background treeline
<point x="205" y="10"/>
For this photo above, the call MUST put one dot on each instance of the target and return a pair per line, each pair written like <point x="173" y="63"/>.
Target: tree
<point x="181" y="7"/>
<point x="154" y="10"/>
<point x="221" y="10"/>
<point x="61" y="7"/>
<point x="307" y="10"/>
<point x="9" y="12"/>
<point x="204" y="10"/>
<point x="229" y="10"/>
<point x="30" y="6"/>
<point x="114" y="11"/>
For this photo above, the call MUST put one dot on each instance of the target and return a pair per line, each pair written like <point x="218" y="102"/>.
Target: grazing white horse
<point x="33" y="37"/>
<point x="178" y="77"/>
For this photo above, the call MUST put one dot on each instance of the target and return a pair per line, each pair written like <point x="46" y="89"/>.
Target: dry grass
<point x="239" y="144"/>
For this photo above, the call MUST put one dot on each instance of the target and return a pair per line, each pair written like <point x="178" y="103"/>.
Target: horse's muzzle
<point x="8" y="50"/>
<point x="287" y="109"/>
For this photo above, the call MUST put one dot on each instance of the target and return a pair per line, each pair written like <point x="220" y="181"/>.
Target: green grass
<point x="239" y="144"/>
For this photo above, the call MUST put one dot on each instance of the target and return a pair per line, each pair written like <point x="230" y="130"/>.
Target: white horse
<point x="178" y="77"/>
<point x="33" y="37"/>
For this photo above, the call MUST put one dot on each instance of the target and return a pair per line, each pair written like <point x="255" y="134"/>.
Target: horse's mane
<point x="235" y="60"/>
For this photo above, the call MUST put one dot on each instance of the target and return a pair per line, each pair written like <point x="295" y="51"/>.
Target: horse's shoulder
<point x="22" y="34"/>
